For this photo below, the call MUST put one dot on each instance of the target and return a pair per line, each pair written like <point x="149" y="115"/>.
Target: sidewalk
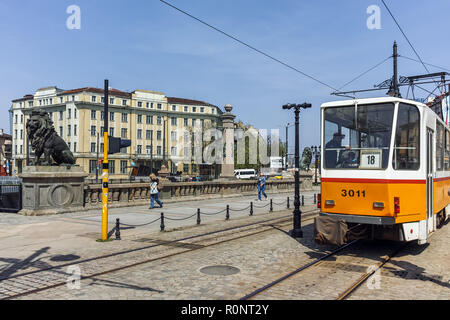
<point x="23" y="237"/>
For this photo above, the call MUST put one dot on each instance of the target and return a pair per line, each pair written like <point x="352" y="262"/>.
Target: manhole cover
<point x="219" y="270"/>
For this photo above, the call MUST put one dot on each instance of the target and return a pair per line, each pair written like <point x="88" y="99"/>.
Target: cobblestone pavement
<point x="418" y="272"/>
<point x="263" y="258"/>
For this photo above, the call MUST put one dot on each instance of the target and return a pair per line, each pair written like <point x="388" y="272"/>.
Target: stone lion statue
<point x="306" y="159"/>
<point x="44" y="140"/>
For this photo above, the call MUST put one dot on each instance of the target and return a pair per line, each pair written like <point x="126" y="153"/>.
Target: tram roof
<point x="370" y="101"/>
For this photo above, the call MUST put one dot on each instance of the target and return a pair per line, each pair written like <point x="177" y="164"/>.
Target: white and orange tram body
<point x="385" y="164"/>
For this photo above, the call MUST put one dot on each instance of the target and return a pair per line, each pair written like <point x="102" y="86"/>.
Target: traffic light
<point x="115" y="144"/>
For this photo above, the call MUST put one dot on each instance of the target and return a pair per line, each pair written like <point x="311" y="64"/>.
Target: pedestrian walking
<point x="262" y="186"/>
<point x="154" y="191"/>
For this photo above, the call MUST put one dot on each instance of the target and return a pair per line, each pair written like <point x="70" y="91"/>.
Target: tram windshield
<point x="358" y="137"/>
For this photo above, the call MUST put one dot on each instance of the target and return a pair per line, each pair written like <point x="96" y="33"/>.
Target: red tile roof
<point x="173" y="100"/>
<point x="112" y="92"/>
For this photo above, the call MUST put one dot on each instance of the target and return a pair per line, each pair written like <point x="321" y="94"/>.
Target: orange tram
<point x="385" y="169"/>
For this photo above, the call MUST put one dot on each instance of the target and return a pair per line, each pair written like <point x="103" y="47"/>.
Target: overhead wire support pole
<point x="105" y="171"/>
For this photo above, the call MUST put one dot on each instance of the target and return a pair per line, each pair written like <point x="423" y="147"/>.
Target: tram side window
<point x="407" y="138"/>
<point x="439" y="146"/>
<point x="447" y="151"/>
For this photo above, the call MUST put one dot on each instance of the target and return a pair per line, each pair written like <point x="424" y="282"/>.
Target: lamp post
<point x="287" y="135"/>
<point x="297" y="232"/>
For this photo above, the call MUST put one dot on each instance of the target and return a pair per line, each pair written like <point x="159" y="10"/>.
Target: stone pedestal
<point x="165" y="192"/>
<point x="227" y="173"/>
<point x="48" y="190"/>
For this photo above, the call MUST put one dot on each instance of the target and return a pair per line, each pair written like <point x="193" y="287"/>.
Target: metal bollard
<point x="315" y="198"/>
<point x="251" y="208"/>
<point x="198" y="216"/>
<point x="271" y="205"/>
<point x="288" y="203"/>
<point x="303" y="201"/>
<point x="227" y="217"/>
<point x="162" y="222"/>
<point x="118" y="229"/>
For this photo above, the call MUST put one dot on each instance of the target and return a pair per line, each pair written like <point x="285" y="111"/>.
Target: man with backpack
<point x="154" y="191"/>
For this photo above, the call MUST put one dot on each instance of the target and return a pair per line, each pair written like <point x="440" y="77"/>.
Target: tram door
<point x="430" y="172"/>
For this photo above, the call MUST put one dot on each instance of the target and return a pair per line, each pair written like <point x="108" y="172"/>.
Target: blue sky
<point x="148" y="45"/>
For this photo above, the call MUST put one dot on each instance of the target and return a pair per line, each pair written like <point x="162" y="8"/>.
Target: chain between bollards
<point x="198" y="216"/>
<point x="251" y="208"/>
<point x="227" y="217"/>
<point x="118" y="229"/>
<point x="162" y="221"/>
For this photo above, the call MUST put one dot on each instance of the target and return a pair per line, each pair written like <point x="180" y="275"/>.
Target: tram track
<point x="27" y="283"/>
<point x="345" y="293"/>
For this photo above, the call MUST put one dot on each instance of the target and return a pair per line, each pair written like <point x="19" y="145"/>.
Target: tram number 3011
<point x="352" y="193"/>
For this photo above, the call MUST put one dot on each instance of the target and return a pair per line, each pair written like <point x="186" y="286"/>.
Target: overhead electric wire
<point x="247" y="45"/>
<point x="401" y="30"/>
<point x="364" y="73"/>
<point x="429" y="64"/>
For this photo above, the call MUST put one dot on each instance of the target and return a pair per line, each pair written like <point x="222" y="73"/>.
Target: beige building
<point x="153" y="122"/>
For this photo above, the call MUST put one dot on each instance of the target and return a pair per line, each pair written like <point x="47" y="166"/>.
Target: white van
<point x="245" y="174"/>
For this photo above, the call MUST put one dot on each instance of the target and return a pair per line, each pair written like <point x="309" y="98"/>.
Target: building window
<point x="112" y="166"/>
<point x="102" y="115"/>
<point x="93" y="130"/>
<point x="93" y="114"/>
<point x="74" y="113"/>
<point x="186" y="122"/>
<point x="111" y="131"/>
<point x="30" y="103"/>
<point x="149" y="119"/>
<point x="74" y="129"/>
<point x="124" y="117"/>
<point x="124" y="102"/>
<point x="123" y="132"/>
<point x="186" y="109"/>
<point x="173" y="121"/>
<point x="139" y="134"/>
<point x="92" y="166"/>
<point x="61" y="131"/>
<point x="16" y="117"/>
<point x="21" y="118"/>
<point x="69" y="113"/>
<point x="102" y="146"/>
<point x="15" y="134"/>
<point x="158" y="135"/>
<point x="93" y="145"/>
<point x="102" y="129"/>
<point x="173" y="151"/>
<point x="147" y="105"/>
<point x="102" y="99"/>
<point x="148" y="149"/>
<point x="139" y="118"/>
<point x="111" y="100"/>
<point x="74" y="147"/>
<point x="61" y="114"/>
<point x="139" y="104"/>
<point x="174" y="108"/>
<point x="123" y="166"/>
<point x="73" y="98"/>
<point x="94" y="99"/>
<point x="194" y="109"/>
<point x="202" y="109"/>
<point x="111" y="116"/>
<point x="158" y="150"/>
<point x="193" y="122"/>
<point x="158" y="120"/>
<point x="139" y="149"/>
<point x="69" y="130"/>
<point x="185" y="168"/>
<point x="159" y="106"/>
<point x="68" y="144"/>
<point x="173" y="135"/>
<point x="149" y="134"/>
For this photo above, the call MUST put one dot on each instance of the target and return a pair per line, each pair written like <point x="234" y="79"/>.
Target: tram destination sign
<point x="370" y="159"/>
